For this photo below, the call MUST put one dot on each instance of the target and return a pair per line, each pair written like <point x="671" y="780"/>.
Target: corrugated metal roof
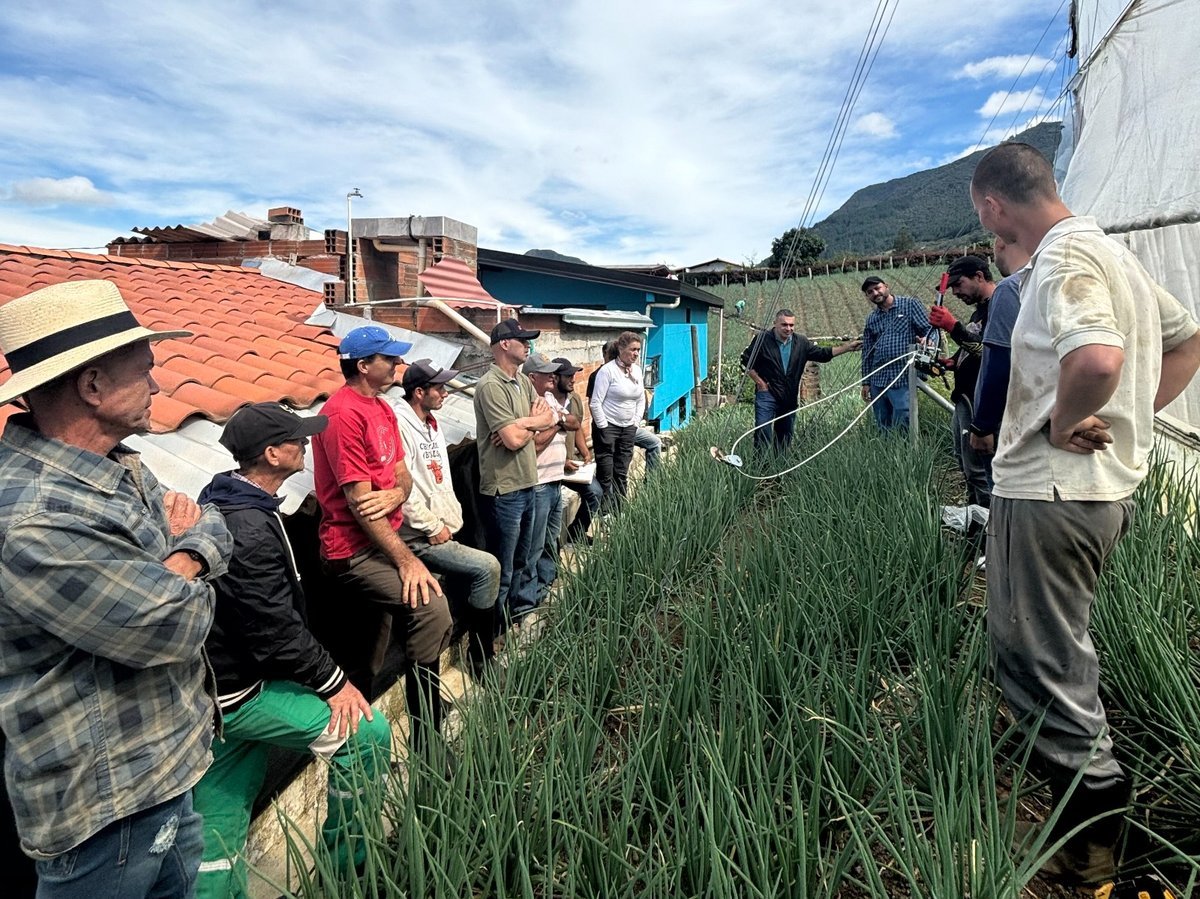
<point x="452" y="278"/>
<point x="661" y="287"/>
<point x="291" y="274"/>
<point x="442" y="353"/>
<point x="230" y="226"/>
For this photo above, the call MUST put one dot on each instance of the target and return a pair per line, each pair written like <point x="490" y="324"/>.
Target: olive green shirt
<point x="499" y="401"/>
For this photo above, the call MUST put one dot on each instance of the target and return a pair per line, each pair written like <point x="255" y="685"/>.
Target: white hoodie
<point x="432" y="504"/>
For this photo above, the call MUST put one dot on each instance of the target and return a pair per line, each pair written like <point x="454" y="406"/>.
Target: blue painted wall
<point x="669" y="344"/>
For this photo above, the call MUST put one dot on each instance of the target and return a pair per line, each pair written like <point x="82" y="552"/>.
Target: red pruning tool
<point x="929" y="356"/>
<point x="943" y="286"/>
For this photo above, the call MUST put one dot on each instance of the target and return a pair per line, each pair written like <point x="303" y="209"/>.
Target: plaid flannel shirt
<point x="888" y="334"/>
<point x="103" y="682"/>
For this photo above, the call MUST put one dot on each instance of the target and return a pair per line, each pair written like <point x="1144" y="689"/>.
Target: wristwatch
<point x="197" y="558"/>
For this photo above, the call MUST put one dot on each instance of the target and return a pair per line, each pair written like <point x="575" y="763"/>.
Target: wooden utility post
<point x="720" y="350"/>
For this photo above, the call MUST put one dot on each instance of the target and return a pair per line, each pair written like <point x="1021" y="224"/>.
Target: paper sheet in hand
<point x="582" y="475"/>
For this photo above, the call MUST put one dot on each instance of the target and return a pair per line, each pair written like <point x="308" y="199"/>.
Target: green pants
<point x="291" y="716"/>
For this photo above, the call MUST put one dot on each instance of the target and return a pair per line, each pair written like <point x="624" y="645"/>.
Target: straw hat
<point x="52" y="331"/>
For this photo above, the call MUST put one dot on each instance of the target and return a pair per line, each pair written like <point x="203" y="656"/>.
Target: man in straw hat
<point x="104" y="607"/>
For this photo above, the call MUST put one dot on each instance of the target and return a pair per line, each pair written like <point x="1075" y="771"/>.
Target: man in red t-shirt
<point x="362" y="482"/>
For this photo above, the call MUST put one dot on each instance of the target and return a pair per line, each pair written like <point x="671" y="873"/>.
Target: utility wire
<point x="867" y="55"/>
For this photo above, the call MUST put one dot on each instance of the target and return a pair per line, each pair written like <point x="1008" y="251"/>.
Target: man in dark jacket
<point x="775" y="361"/>
<point x="276" y="685"/>
<point x="970" y="279"/>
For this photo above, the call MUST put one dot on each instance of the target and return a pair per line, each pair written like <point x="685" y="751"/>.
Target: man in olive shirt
<point x="508" y="413"/>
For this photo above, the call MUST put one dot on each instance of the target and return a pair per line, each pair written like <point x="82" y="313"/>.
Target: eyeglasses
<point x="299" y="441"/>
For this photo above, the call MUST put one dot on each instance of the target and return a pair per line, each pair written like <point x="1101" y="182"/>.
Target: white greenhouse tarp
<point x="1136" y="141"/>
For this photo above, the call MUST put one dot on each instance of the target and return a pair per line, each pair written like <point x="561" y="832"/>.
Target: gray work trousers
<point x="1043" y="563"/>
<point x="976" y="467"/>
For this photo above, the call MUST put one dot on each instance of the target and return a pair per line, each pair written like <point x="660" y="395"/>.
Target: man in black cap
<point x="508" y="412"/>
<point x="276" y="684"/>
<point x="433" y="514"/>
<point x="970" y="279"/>
<point x="578" y="452"/>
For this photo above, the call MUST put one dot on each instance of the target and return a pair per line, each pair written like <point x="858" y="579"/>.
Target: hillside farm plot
<point x="825" y="305"/>
<point x="779" y="689"/>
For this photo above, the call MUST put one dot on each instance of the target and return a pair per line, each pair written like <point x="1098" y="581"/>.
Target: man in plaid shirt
<point x="892" y="327"/>
<point x="104" y="607"/>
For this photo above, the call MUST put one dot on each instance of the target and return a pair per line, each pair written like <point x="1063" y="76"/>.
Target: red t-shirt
<point x="361" y="443"/>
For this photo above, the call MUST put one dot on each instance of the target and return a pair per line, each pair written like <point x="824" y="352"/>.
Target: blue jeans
<point x="649" y="441"/>
<point x="766" y="407"/>
<point x="152" y="853"/>
<point x="547" y="525"/>
<point x="510" y="538"/>
<point x="892" y="409"/>
<point x="590" y="495"/>
<point x="477" y="570"/>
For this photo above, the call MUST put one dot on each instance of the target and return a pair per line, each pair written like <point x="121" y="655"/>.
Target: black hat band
<point x="69" y="339"/>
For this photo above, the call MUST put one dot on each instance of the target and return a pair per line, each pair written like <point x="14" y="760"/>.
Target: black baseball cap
<point x="255" y="427"/>
<point x="966" y="267"/>
<point x="422" y="373"/>
<point x="510" y="329"/>
<point x="565" y="367"/>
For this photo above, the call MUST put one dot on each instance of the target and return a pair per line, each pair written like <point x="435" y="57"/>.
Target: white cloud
<point x="1014" y="103"/>
<point x="1004" y="67"/>
<point x="39" y="230"/>
<point x="875" y="124"/>
<point x="73" y="191"/>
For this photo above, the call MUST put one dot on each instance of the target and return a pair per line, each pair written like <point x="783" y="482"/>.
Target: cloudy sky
<point x="623" y="131"/>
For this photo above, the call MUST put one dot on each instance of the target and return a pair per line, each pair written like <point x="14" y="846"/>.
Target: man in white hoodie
<point x="433" y="514"/>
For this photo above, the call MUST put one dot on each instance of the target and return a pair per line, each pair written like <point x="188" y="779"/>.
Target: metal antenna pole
<point x="350" y="247"/>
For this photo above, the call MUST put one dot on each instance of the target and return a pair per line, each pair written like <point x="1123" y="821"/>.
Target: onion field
<point x="778" y="688"/>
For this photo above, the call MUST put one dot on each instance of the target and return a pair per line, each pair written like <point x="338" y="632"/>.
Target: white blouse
<point x="619" y="397"/>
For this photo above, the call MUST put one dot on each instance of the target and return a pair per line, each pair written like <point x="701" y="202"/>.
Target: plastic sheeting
<point x="1136" y="131"/>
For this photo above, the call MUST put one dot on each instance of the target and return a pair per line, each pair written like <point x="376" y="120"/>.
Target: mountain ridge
<point x="932" y="204"/>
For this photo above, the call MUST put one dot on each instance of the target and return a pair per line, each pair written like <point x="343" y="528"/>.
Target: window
<point x="652" y="376"/>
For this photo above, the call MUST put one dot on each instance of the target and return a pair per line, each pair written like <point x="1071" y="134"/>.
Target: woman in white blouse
<point x="618" y="403"/>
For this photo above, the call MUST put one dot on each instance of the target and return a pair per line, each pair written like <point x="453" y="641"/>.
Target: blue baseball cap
<point x="363" y="342"/>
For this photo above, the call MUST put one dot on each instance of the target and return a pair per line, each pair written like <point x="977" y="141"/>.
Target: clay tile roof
<point x="249" y="343"/>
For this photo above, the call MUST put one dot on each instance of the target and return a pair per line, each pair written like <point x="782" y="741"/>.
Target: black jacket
<point x="969" y="356"/>
<point x="259" y="630"/>
<point x="763" y="356"/>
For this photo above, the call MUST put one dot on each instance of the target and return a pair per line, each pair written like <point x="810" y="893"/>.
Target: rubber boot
<point x="1089" y="857"/>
